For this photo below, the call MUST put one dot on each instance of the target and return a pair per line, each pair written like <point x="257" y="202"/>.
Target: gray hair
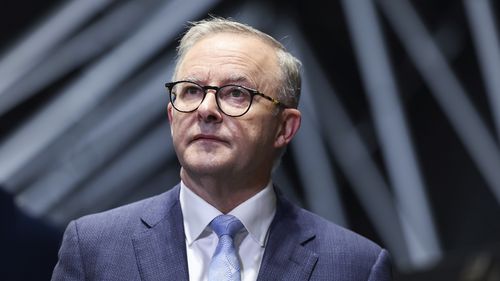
<point x="288" y="93"/>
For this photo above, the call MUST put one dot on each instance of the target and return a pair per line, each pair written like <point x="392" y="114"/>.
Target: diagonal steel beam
<point x="34" y="47"/>
<point x="119" y="126"/>
<point x="123" y="175"/>
<point x="97" y="38"/>
<point x="392" y="131"/>
<point x="446" y="89"/>
<point x="485" y="35"/>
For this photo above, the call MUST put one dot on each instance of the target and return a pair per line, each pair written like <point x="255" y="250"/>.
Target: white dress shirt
<point x="256" y="214"/>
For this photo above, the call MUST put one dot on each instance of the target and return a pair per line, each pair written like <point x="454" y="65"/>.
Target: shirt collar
<point x="256" y="213"/>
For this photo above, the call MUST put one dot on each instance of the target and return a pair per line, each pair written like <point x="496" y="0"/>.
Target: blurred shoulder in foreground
<point x="28" y="245"/>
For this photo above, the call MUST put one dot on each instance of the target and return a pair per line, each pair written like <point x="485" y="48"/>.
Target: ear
<point x="290" y="124"/>
<point x="170" y="116"/>
<point x="169" y="112"/>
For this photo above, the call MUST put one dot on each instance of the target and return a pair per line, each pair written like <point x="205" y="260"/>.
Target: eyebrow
<point x="191" y="78"/>
<point x="231" y="79"/>
<point x="239" y="79"/>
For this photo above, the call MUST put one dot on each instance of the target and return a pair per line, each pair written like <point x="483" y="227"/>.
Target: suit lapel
<point x="160" y="247"/>
<point x="285" y="257"/>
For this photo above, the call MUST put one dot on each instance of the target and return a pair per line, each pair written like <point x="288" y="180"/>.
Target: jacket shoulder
<point x="337" y="236"/>
<point x="126" y="218"/>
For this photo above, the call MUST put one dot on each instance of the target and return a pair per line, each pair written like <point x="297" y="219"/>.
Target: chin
<point x="206" y="163"/>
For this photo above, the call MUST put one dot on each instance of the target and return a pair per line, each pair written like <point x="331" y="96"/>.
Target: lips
<point x="207" y="137"/>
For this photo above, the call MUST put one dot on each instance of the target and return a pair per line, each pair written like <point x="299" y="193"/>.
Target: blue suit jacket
<point x="145" y="241"/>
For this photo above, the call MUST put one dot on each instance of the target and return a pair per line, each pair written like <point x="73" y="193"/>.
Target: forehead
<point x="229" y="56"/>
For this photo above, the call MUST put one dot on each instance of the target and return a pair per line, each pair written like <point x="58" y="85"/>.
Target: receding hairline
<point x="213" y="25"/>
<point x="206" y="28"/>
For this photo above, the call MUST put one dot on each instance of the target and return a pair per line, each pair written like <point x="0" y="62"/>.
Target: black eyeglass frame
<point x="253" y="93"/>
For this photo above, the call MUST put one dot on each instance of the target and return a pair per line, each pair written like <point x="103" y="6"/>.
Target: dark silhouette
<point x="28" y="246"/>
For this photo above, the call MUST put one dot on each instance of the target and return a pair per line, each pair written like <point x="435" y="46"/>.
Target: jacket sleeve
<point x="382" y="268"/>
<point x="70" y="265"/>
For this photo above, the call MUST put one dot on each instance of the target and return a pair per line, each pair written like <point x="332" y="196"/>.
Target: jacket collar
<point x="285" y="257"/>
<point x="160" y="245"/>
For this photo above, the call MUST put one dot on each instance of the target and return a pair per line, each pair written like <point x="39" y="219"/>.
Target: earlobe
<point x="280" y="141"/>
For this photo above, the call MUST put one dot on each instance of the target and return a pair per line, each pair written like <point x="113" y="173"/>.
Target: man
<point x="232" y="111"/>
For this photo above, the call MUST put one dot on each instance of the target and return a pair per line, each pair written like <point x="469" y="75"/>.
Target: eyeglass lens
<point x="233" y="100"/>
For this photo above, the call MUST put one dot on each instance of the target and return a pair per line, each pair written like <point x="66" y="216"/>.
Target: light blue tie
<point x="225" y="265"/>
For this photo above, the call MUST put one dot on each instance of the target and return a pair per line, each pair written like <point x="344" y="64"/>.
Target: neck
<point x="224" y="193"/>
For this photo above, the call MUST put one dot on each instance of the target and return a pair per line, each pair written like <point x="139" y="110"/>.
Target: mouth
<point x="207" y="138"/>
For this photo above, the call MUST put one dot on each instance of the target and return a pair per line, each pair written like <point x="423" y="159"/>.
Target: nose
<point x="209" y="110"/>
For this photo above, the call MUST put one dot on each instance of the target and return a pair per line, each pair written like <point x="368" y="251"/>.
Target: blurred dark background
<point x="399" y="142"/>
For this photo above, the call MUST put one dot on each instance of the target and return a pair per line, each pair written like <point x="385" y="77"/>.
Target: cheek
<point x="179" y="128"/>
<point x="254" y="135"/>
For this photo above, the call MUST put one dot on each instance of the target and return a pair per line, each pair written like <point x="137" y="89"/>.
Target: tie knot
<point x="226" y="225"/>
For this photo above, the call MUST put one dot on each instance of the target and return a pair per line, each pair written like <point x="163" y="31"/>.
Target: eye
<point x="236" y="93"/>
<point x="233" y="93"/>
<point x="188" y="91"/>
<point x="192" y="90"/>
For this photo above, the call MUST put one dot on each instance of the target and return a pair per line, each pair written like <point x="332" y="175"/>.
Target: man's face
<point x="206" y="141"/>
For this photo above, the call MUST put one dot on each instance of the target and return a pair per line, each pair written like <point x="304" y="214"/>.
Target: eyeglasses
<point x="232" y="100"/>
